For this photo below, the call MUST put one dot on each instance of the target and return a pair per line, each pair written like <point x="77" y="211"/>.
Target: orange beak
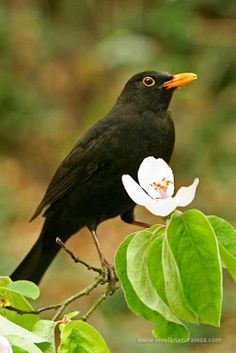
<point x="179" y="80"/>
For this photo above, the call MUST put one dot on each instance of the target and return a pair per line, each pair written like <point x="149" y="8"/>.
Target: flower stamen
<point x="162" y="187"/>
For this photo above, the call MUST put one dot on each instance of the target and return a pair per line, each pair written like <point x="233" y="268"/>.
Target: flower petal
<point x="5" y="346"/>
<point x="186" y="194"/>
<point x="154" y="170"/>
<point x="162" y="207"/>
<point x="135" y="192"/>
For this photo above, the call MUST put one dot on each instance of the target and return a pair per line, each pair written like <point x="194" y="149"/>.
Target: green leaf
<point x="195" y="250"/>
<point x="46" y="329"/>
<point x="226" y="236"/>
<point x="156" y="229"/>
<point x="4" y="281"/>
<point x="17" y="301"/>
<point x="155" y="269"/>
<point x="23" y="340"/>
<point x="164" y="275"/>
<point x="138" y="274"/>
<point x="18" y="350"/>
<point x="72" y="315"/>
<point x="26" y="288"/>
<point x="20" y="344"/>
<point x="13" y="332"/>
<point x="164" y="329"/>
<point x="79" y="336"/>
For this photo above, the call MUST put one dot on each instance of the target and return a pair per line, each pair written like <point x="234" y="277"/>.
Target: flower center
<point x="162" y="187"/>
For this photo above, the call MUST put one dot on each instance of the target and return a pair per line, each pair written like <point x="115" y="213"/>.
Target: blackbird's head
<point x="151" y="90"/>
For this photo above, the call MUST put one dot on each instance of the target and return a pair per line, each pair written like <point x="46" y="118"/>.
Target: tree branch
<point x="104" y="277"/>
<point x="76" y="296"/>
<point x="61" y="306"/>
<point x="77" y="259"/>
<point x="109" y="291"/>
<point x="32" y="312"/>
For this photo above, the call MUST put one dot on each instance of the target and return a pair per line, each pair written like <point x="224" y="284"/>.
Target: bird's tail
<point x="38" y="259"/>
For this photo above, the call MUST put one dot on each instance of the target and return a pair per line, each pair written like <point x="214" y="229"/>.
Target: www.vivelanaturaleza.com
<point x="147" y="340"/>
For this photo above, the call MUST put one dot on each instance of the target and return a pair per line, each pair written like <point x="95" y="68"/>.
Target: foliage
<point x="29" y="334"/>
<point x="169" y="273"/>
<point x="11" y="294"/>
<point x="172" y="273"/>
<point x="78" y="336"/>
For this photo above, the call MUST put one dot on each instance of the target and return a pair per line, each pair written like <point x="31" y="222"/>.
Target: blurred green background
<point x="62" y="65"/>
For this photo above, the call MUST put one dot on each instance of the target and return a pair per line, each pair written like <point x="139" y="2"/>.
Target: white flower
<point x="5" y="345"/>
<point x="156" y="188"/>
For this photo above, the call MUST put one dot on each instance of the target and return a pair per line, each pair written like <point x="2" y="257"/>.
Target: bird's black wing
<point x="82" y="162"/>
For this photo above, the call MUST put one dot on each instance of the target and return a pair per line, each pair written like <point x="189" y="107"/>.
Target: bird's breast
<point x="139" y="138"/>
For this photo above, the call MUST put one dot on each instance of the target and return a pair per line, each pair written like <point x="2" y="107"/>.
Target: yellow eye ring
<point x="148" y="81"/>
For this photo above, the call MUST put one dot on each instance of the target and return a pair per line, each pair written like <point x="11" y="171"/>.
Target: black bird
<point x="86" y="189"/>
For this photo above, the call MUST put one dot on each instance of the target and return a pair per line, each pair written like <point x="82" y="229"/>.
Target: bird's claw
<point x="109" y="275"/>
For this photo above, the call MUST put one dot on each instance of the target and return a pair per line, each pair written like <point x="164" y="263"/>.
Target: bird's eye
<point x="149" y="81"/>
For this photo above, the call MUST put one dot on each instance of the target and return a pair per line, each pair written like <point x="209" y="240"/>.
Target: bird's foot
<point x="109" y="275"/>
<point x="141" y="224"/>
<point x="108" y="271"/>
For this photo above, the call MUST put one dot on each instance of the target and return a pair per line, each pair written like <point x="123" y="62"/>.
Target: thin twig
<point x="103" y="278"/>
<point x="99" y="300"/>
<point x="33" y="312"/>
<point x="77" y="259"/>
<point x="76" y="296"/>
<point x="61" y="306"/>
